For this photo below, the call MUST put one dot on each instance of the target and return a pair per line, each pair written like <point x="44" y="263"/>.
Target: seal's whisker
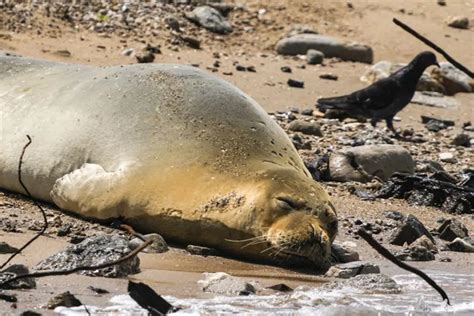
<point x="253" y="243"/>
<point x="267" y="249"/>
<point x="245" y="240"/>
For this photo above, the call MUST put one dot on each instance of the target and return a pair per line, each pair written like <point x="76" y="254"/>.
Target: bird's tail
<point x="335" y="103"/>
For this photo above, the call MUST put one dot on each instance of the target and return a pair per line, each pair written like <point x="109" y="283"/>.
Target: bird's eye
<point x="285" y="203"/>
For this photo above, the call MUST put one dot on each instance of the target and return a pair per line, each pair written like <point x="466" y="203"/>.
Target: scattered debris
<point x="8" y="297"/>
<point x="434" y="124"/>
<point x="286" y="69"/>
<point x="462" y="140"/>
<point x="295" y="83"/>
<point x="328" y="76"/>
<point x="351" y="269"/>
<point x="98" y="290"/>
<point x="63" y="53"/>
<point x="421" y="189"/>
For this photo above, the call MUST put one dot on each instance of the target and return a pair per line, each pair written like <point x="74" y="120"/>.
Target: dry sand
<point x="176" y="272"/>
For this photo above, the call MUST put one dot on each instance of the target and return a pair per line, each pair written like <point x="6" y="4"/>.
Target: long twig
<point x="457" y="64"/>
<point x="45" y="220"/>
<point x="79" y="268"/>
<point x="385" y="253"/>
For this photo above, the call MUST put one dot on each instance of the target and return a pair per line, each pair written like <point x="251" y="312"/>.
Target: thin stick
<point x="79" y="268"/>
<point x="457" y="64"/>
<point x="45" y="220"/>
<point x="385" y="253"/>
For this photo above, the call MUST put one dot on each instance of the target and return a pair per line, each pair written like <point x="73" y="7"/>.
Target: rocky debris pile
<point x="329" y="46"/>
<point x="422" y="249"/>
<point x="410" y="230"/>
<point x="94" y="251"/>
<point x="447" y="79"/>
<point x="448" y="193"/>
<point x="223" y="283"/>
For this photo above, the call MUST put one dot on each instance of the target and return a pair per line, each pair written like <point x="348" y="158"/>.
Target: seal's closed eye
<point x="287" y="203"/>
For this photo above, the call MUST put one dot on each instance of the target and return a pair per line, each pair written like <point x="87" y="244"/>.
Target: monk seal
<point x="168" y="148"/>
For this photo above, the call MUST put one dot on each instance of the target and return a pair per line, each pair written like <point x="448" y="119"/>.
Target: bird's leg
<point x="391" y="127"/>
<point x="373" y="122"/>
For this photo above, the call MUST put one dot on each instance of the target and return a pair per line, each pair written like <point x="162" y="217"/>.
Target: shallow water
<point x="416" y="298"/>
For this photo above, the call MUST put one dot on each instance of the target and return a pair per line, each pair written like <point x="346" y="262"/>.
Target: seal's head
<point x="294" y="222"/>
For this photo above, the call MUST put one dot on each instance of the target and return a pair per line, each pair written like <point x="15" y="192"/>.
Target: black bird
<point x="384" y="98"/>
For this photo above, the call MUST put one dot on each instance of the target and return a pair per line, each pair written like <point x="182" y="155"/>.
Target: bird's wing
<point x="375" y="97"/>
<point x="379" y="95"/>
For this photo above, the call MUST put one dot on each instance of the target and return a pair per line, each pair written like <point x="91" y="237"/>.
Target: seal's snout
<point x="299" y="234"/>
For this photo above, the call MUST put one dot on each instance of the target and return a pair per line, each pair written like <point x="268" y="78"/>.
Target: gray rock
<point x="462" y="140"/>
<point x="452" y="229"/>
<point x="409" y="231"/>
<point x="308" y="128"/>
<point x="314" y="57"/>
<point x="459" y="22"/>
<point x="452" y="79"/>
<point x="329" y="46"/>
<point x="363" y="162"/>
<point x="434" y="99"/>
<point x="6" y="248"/>
<point x="461" y="245"/>
<point x="201" y="251"/>
<point x="93" y="251"/>
<point x="369" y="283"/>
<point x="65" y="299"/>
<point x="447" y="157"/>
<point x="351" y="269"/>
<point x="158" y="245"/>
<point x="343" y="253"/>
<point x="210" y="19"/>
<point x="223" y="283"/>
<point x="14" y="270"/>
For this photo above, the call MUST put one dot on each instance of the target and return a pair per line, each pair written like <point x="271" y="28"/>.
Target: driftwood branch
<point x="457" y="64"/>
<point x="385" y="253"/>
<point x="43" y="274"/>
<point x="43" y="213"/>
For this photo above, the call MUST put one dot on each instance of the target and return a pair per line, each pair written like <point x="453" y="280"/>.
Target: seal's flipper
<point x="90" y="191"/>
